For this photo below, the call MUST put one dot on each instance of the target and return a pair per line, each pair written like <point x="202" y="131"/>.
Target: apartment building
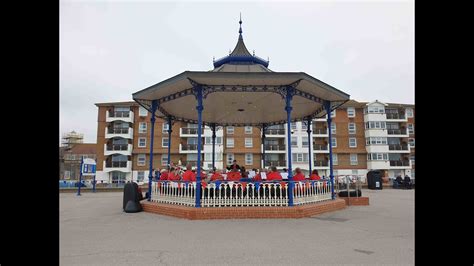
<point x="366" y="136"/>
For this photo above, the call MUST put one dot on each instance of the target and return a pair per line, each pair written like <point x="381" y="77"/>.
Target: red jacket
<point x="299" y="177"/>
<point x="233" y="176"/>
<point x="314" y="177"/>
<point x="189" y="176"/>
<point x="173" y="177"/>
<point x="273" y="176"/>
<point x="216" y="176"/>
<point x="164" y="176"/>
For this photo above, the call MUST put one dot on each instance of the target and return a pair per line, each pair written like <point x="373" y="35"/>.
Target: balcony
<point x="398" y="147"/>
<point x="189" y="148"/>
<point x="126" y="116"/>
<point x="125" y="149"/>
<point x="320" y="132"/>
<point x="121" y="166"/>
<point x="275" y="132"/>
<point x="278" y="148"/>
<point x="320" y="148"/>
<point x="321" y="164"/>
<point x="396" y="116"/>
<point x="398" y="132"/>
<point x="399" y="163"/>
<point x="275" y="163"/>
<point x="126" y="133"/>
<point x="189" y="132"/>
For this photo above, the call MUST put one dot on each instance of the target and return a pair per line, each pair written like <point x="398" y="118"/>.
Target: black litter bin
<point x="374" y="179"/>
<point x="131" y="198"/>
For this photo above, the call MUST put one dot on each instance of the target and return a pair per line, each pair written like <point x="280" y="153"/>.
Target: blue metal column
<point x="263" y="144"/>
<point x="213" y="127"/>
<point x="308" y="124"/>
<point x="199" y="107"/>
<point x="93" y="184"/>
<point x="327" y="105"/>
<point x="80" y="177"/>
<point x="288" y="108"/>
<point x="154" y="106"/>
<point x="169" y="139"/>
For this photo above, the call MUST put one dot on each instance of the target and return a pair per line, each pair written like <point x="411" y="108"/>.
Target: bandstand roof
<point x="241" y="91"/>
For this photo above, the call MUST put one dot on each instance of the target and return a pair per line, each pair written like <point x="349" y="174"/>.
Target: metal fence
<point x="240" y="194"/>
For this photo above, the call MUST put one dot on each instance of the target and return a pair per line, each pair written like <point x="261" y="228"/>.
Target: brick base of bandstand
<point x="356" y="201"/>
<point x="206" y="213"/>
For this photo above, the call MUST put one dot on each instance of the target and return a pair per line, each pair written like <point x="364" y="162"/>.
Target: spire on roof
<point x="240" y="27"/>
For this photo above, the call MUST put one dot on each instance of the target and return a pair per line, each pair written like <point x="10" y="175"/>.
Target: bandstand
<point x="241" y="91"/>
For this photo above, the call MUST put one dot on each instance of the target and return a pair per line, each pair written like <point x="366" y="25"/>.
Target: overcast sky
<point x="109" y="50"/>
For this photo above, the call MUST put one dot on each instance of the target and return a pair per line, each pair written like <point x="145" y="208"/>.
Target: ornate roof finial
<point x="240" y="27"/>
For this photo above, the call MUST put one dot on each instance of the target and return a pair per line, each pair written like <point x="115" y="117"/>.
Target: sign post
<point x="88" y="166"/>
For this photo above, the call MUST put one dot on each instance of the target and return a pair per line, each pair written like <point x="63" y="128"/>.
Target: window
<point x="334" y="159"/>
<point x="248" y="143"/>
<point x="352" y="128"/>
<point x="333" y="128"/>
<point x="140" y="176"/>
<point x="375" y="109"/>
<point x="354" y="172"/>
<point x="293" y="126"/>
<point x="334" y="142"/>
<point x="333" y="113"/>
<point x="142" y="127"/>
<point x="411" y="129"/>
<point x="193" y="141"/>
<point x="376" y="141"/>
<point x="248" y="130"/>
<point x="304" y="141"/>
<point x="304" y="126"/>
<point x="165" y="128"/>
<point x="350" y="112"/>
<point x="230" y="130"/>
<point x="192" y="157"/>
<point x="248" y="159"/>
<point x="141" y="158"/>
<point x="411" y="142"/>
<point x="164" y="159"/>
<point x="299" y="157"/>
<point x="412" y="159"/>
<point x="352" y="143"/>
<point x="377" y="156"/>
<point x="409" y="112"/>
<point x="376" y="124"/>
<point x="208" y="140"/>
<point x="165" y="142"/>
<point x="141" y="142"/>
<point x="208" y="157"/>
<point x="230" y="143"/>
<point x="230" y="158"/>
<point x="294" y="142"/>
<point x="353" y="159"/>
<point x="142" y="111"/>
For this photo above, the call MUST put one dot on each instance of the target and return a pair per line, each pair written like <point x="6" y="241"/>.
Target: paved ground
<point x="95" y="231"/>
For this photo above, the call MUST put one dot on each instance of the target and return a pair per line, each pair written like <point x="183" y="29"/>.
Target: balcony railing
<point x="395" y="116"/>
<point x="275" y="163"/>
<point x="271" y="147"/>
<point x="321" y="163"/>
<point x="275" y="132"/>
<point x="399" y="163"/>
<point x="397" y="147"/>
<point x="120" y="164"/>
<point x="236" y="194"/>
<point x="189" y="147"/>
<point x="190" y="131"/>
<point x="119" y="114"/>
<point x="117" y="130"/>
<point x="117" y="147"/>
<point x="320" y="147"/>
<point x="320" y="131"/>
<point x="396" y="131"/>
